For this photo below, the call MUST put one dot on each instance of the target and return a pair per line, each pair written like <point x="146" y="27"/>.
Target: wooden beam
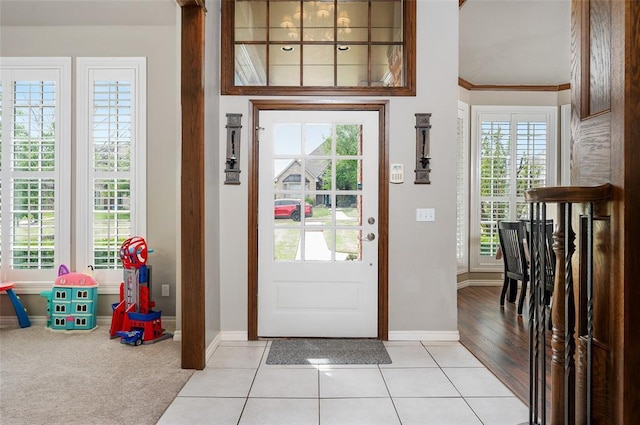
<point x="192" y="185"/>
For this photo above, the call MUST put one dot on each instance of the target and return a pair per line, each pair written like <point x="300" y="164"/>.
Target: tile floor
<point x="427" y="383"/>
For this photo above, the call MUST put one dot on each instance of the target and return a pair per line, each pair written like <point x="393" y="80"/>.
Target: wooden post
<point x="192" y="185"/>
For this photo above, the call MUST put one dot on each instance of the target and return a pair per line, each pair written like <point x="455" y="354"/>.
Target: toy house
<point x="72" y="302"/>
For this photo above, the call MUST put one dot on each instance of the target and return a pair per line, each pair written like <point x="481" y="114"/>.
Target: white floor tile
<point x="435" y="411"/>
<point x="236" y="357"/>
<point x="212" y="382"/>
<point x="500" y="411"/>
<point x="352" y="383"/>
<point x="279" y="411"/>
<point x="409" y="356"/>
<point x="453" y="356"/>
<point x="358" y="411"/>
<point x="418" y="382"/>
<point x="286" y="383"/>
<point x="477" y="382"/>
<point x="205" y="411"/>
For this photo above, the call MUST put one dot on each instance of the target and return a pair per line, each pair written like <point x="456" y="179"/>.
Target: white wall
<point x="159" y="45"/>
<point x="422" y="264"/>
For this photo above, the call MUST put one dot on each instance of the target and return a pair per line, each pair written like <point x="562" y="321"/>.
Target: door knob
<point x="369" y="237"/>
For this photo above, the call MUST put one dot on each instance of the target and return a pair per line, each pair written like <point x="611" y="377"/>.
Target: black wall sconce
<point x="232" y="168"/>
<point x="423" y="156"/>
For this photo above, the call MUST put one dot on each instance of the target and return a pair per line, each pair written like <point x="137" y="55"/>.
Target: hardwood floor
<point x="498" y="337"/>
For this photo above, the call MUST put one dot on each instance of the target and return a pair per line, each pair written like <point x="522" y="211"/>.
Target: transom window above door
<point x="356" y="47"/>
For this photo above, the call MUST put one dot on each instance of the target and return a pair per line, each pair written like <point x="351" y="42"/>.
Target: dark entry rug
<point x="327" y="351"/>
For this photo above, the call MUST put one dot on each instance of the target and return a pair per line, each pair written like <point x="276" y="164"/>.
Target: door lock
<point x="369" y="237"/>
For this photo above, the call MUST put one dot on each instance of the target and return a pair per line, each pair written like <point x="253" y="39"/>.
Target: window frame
<point x="483" y="263"/>
<point x="227" y="63"/>
<point x="109" y="279"/>
<point x="57" y="69"/>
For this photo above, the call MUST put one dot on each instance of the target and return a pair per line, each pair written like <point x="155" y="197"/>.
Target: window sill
<point x="29" y="288"/>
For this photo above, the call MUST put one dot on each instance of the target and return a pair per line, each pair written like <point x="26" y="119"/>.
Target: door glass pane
<point x="250" y="20"/>
<point x="284" y="65"/>
<point x="285" y="244"/>
<point x="318" y="244"/>
<point x="348" y="245"/>
<point x="349" y="174"/>
<point x="349" y="210"/>
<point x="348" y="139"/>
<point x="287" y="139"/>
<point x="318" y="139"/>
<point x="318" y="66"/>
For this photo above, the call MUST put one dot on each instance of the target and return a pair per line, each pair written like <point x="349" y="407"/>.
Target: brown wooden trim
<point x="464" y="84"/>
<point x="227" y="80"/>
<point x="461" y="3"/>
<point x="383" y="200"/>
<point x="583" y="58"/>
<point x="192" y="189"/>
<point x="499" y="87"/>
<point x="191" y="3"/>
<point x="569" y="194"/>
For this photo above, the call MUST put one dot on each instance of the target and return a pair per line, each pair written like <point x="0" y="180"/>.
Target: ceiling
<point x="515" y="42"/>
<point x="502" y="42"/>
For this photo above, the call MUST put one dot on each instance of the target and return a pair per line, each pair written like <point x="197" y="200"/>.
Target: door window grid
<point x="331" y="191"/>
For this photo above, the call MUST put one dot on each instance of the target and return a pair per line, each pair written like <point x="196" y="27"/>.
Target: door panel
<point x="317" y="206"/>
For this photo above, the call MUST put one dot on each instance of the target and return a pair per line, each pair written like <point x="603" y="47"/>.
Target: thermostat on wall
<point x="397" y="173"/>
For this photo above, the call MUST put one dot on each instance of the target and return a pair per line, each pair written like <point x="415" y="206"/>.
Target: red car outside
<point x="290" y="208"/>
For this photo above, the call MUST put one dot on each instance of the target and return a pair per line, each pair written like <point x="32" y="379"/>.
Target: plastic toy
<point x="21" y="312"/>
<point x="133" y="319"/>
<point x="73" y="302"/>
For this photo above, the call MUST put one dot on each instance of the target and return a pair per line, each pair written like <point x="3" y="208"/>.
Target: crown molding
<point x="523" y="87"/>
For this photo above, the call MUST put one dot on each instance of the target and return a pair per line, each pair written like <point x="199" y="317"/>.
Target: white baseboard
<point x="424" y="336"/>
<point x="177" y="335"/>
<point x="234" y="336"/>
<point x="212" y="347"/>
<point x="480" y="282"/>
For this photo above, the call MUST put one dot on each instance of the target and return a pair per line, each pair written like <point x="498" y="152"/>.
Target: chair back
<point x="540" y="248"/>
<point x="511" y="234"/>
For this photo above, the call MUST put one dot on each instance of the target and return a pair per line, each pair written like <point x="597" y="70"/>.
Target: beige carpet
<point x="85" y="378"/>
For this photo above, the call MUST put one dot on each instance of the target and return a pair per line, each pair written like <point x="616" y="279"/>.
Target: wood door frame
<point x="381" y="107"/>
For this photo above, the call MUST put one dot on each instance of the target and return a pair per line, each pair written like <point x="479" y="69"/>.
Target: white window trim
<point x="109" y="279"/>
<point x="34" y="281"/>
<point x="478" y="263"/>
<point x="463" y="113"/>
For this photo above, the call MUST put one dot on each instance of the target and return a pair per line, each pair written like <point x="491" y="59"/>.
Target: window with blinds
<point x="514" y="150"/>
<point x="462" y="186"/>
<point x="112" y="159"/>
<point x="34" y="172"/>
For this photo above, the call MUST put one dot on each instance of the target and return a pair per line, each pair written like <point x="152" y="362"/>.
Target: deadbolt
<point x="371" y="220"/>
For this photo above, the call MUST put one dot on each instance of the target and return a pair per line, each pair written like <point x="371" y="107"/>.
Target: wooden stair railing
<point x="570" y="298"/>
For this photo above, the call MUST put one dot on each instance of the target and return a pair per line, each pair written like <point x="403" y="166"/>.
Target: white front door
<point x="318" y="224"/>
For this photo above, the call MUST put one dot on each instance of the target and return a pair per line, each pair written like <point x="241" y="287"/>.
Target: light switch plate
<point x="425" y="214"/>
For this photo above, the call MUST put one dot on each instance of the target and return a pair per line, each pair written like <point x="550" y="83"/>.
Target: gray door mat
<point x="298" y="351"/>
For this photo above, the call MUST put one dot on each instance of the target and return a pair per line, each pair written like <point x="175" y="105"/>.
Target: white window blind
<point x="462" y="185"/>
<point x="111" y="151"/>
<point x="34" y="168"/>
<point x="514" y="149"/>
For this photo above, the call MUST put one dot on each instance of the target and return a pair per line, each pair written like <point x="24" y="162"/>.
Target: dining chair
<point x="511" y="235"/>
<point x="545" y="250"/>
